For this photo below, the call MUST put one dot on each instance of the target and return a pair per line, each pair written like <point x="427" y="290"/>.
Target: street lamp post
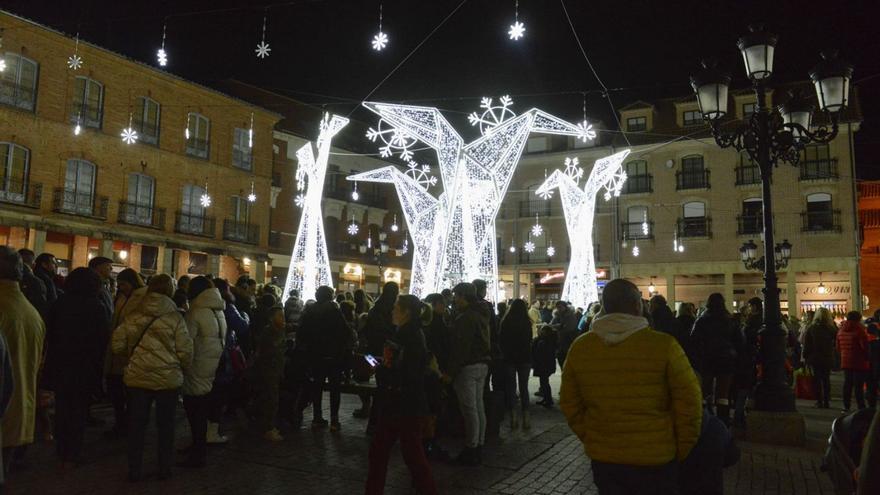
<point x="770" y="136"/>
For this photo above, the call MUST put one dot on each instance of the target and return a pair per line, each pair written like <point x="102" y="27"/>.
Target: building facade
<point x="869" y="218"/>
<point x="71" y="186"/>
<point x="686" y="209"/>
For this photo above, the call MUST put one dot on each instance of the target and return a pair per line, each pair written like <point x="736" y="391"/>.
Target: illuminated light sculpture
<point x="454" y="234"/>
<point x="309" y="262"/>
<point x="579" y="207"/>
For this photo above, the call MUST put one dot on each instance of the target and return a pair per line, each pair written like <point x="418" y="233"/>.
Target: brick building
<point x="69" y="185"/>
<point x="869" y="218"/>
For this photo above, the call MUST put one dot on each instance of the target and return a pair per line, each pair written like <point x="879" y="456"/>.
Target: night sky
<point x="321" y="49"/>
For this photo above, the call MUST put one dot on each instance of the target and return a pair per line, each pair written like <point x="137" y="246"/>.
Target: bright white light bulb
<point x="512" y="248"/>
<point x="123" y="254"/>
<point x="355" y="195"/>
<point x="129" y="135"/>
<point x="162" y="57"/>
<point x="250" y="138"/>
<point x="186" y="132"/>
<point x="681" y="248"/>
<point x="77" y="129"/>
<point x="380" y="41"/>
<point x="551" y="251"/>
<point x="516" y="31"/>
<point x="394" y="227"/>
<point x="652" y="289"/>
<point x="205" y="200"/>
<point x="635" y="251"/>
<point x="2" y="65"/>
<point x="252" y="198"/>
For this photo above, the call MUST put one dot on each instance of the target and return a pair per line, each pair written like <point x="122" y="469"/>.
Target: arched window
<point x="694" y="222"/>
<point x="88" y="103"/>
<point x="79" y="187"/>
<point x="820" y="212"/>
<point x="191" y="219"/>
<point x="638" y="225"/>
<point x="198" y="129"/>
<point x="14" y="162"/>
<point x="18" y="82"/>
<point x="139" y="207"/>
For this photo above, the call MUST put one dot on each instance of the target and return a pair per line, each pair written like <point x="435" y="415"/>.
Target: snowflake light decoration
<point x="129" y="135"/>
<point x="454" y="236"/>
<point x="537" y="230"/>
<point x="645" y="228"/>
<point x="309" y="260"/>
<point x="636" y="251"/>
<point x="529" y="247"/>
<point x="299" y="200"/>
<point x="493" y="115"/>
<point x="161" y="56"/>
<point x="380" y="41"/>
<point x="551" y="251"/>
<point x="573" y="169"/>
<point x="263" y="49"/>
<point x="421" y="174"/>
<point x="516" y="31"/>
<point x="579" y="208"/>
<point x="205" y="200"/>
<point x="353" y="228"/>
<point x="74" y="62"/>
<point x="587" y="131"/>
<point x="393" y="140"/>
<point x="252" y="196"/>
<point x="547" y="193"/>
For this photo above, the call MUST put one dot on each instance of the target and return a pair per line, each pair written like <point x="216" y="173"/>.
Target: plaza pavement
<point x="548" y="459"/>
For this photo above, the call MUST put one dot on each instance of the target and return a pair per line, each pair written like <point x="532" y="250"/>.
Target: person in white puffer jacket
<point x="207" y="327"/>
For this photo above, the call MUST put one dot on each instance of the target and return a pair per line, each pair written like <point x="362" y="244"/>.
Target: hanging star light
<point x="529" y="247"/>
<point x="129" y="135"/>
<point x="454" y="235"/>
<point x="161" y="56"/>
<point x="380" y="40"/>
<point x="517" y="29"/>
<point x="551" y="251"/>
<point x="309" y="260"/>
<point x="394" y="227"/>
<point x="537" y="230"/>
<point x="299" y="200"/>
<point x="205" y="199"/>
<point x="252" y="197"/>
<point x="353" y="228"/>
<point x="74" y="62"/>
<point x="263" y="49"/>
<point x="579" y="208"/>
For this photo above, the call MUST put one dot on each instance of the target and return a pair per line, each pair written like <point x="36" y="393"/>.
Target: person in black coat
<point x="377" y="329"/>
<point x="78" y="332"/>
<point x="404" y="405"/>
<point x="714" y="342"/>
<point x="665" y="321"/>
<point x="544" y="362"/>
<point x="516" y="347"/>
<point x="702" y="472"/>
<point x="326" y="339"/>
<point x="46" y="268"/>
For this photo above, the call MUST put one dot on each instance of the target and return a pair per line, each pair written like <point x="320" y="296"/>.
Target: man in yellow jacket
<point x="631" y="397"/>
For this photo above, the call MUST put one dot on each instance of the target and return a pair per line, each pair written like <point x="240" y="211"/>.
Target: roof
<point x="139" y="63"/>
<point x="636" y="105"/>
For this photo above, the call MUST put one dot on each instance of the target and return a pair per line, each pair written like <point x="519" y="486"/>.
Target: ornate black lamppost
<point x="769" y="136"/>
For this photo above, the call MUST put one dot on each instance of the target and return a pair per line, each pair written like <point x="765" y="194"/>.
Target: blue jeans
<point x="512" y="374"/>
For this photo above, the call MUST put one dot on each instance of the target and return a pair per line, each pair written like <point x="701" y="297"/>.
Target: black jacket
<point x="566" y="325"/>
<point x="378" y="328"/>
<point x="715" y="342"/>
<point x="48" y="279"/>
<point x="35" y="291"/>
<point x="702" y="473"/>
<point x="437" y="338"/>
<point x="324" y="334"/>
<point x="76" y="340"/>
<point x="516" y="341"/>
<point x="401" y="380"/>
<point x="665" y="321"/>
<point x="544" y="355"/>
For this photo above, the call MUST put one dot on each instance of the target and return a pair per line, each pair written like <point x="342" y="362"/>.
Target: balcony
<point x="242" y="159"/>
<point x="234" y="230"/>
<point x="636" y="184"/>
<point x="694" y="227"/>
<point x="16" y="95"/>
<point x="86" y="115"/>
<point x="200" y="225"/>
<point x="80" y="204"/>
<point x="698" y="179"/>
<point x="818" y="169"/>
<point x="747" y="175"/>
<point x="532" y="207"/>
<point x="635" y="230"/>
<point x="141" y="215"/>
<point x="821" y="221"/>
<point x="749" y="224"/>
<point x="197" y="147"/>
<point x="21" y="193"/>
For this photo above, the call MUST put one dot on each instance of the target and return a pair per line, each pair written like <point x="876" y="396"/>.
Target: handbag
<point x="804" y="384"/>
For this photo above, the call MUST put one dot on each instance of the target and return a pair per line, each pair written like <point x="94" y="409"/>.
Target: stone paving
<point x="548" y="459"/>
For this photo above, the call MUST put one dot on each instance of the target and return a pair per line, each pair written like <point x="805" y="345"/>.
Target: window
<point x="636" y="216"/>
<point x="638" y="180"/>
<point x="197" y="135"/>
<point x="748" y="110"/>
<point x="79" y="187"/>
<point x="693" y="174"/>
<point x="747" y="172"/>
<point x="14" y="161"/>
<point x="820" y="214"/>
<point x="692" y="117"/>
<point x="537" y="144"/>
<point x="815" y="153"/>
<point x="751" y="220"/>
<point x="147" y="120"/>
<point x="694" y="209"/>
<point x="816" y="163"/>
<point x="241" y="209"/>
<point x="636" y="124"/>
<point x="693" y="222"/>
<point x="88" y="103"/>
<point x="331" y="179"/>
<point x="192" y="213"/>
<point x="139" y="208"/>
<point x="18" y="84"/>
<point x="241" y="149"/>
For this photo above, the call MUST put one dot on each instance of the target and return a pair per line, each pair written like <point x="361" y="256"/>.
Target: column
<point x="670" y="290"/>
<point x="182" y="263"/>
<point x="165" y="261"/>
<point x="18" y="237"/>
<point x="728" y="290"/>
<point x="260" y="268"/>
<point x="134" y="256"/>
<point x="516" y="283"/>
<point x="80" y="255"/>
<point x="37" y="241"/>
<point x="855" y="283"/>
<point x="214" y="265"/>
<point x="791" y="290"/>
<point x="106" y="248"/>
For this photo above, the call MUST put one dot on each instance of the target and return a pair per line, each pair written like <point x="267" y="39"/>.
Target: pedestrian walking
<point x="76" y="343"/>
<point x="23" y="329"/>
<point x="206" y="324"/>
<point x="819" y="340"/>
<point x="157" y="344"/>
<point x="852" y="342"/>
<point x="631" y="397"/>
<point x="402" y="398"/>
<point x="715" y="341"/>
<point x="469" y="359"/>
<point x="516" y="349"/>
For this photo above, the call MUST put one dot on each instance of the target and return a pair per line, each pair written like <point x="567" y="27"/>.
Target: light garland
<point x="454" y="235"/>
<point x="129" y="135"/>
<point x="537" y="230"/>
<point x="205" y="199"/>
<point x="394" y="227"/>
<point x="380" y="40"/>
<point x="161" y="56"/>
<point x="74" y="62"/>
<point x="517" y="29"/>
<point x="252" y="197"/>
<point x="309" y="261"/>
<point x="263" y="49"/>
<point x="579" y="208"/>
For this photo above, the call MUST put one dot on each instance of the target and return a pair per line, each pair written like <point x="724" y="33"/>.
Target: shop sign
<point x="353" y="270"/>
<point x="392" y="275"/>
<point x="549" y="277"/>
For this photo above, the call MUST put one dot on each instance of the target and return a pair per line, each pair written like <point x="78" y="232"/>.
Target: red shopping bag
<point x="803" y="388"/>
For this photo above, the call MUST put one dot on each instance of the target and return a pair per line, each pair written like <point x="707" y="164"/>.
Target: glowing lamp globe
<point x="711" y="87"/>
<point x="757" y="49"/>
<point x="831" y="77"/>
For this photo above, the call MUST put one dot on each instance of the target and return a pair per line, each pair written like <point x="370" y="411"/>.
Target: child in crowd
<point x="544" y="362"/>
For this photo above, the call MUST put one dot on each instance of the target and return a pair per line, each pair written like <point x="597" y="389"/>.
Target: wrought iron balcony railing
<point x="818" y="169"/>
<point x="80" y="204"/>
<point x="142" y="215"/>
<point x="234" y="230"/>
<point x="21" y="193"/>
<point x="694" y="227"/>
<point x="188" y="223"/>
<point x="821" y="221"/>
<point x="692" y="180"/>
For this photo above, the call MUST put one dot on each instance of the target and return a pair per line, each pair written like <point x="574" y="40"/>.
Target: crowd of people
<point x="642" y="385"/>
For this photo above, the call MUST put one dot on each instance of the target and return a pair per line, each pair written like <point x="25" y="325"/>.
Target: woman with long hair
<point x="715" y="343"/>
<point x="819" y="354"/>
<point x="404" y="405"/>
<point x="516" y="349"/>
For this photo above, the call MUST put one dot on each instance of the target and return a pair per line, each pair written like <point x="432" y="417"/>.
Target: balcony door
<point x="820" y="215"/>
<point x="13" y="172"/>
<point x="192" y="218"/>
<point x="752" y="220"/>
<point x="141" y="190"/>
<point x="79" y="187"/>
<point x="694" y="221"/>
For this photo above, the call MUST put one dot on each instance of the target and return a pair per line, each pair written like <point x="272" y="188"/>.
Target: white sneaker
<point x="213" y="435"/>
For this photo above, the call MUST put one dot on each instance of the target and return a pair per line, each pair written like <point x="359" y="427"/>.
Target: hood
<point x="155" y="304"/>
<point x="617" y="327"/>
<point x="210" y="299"/>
